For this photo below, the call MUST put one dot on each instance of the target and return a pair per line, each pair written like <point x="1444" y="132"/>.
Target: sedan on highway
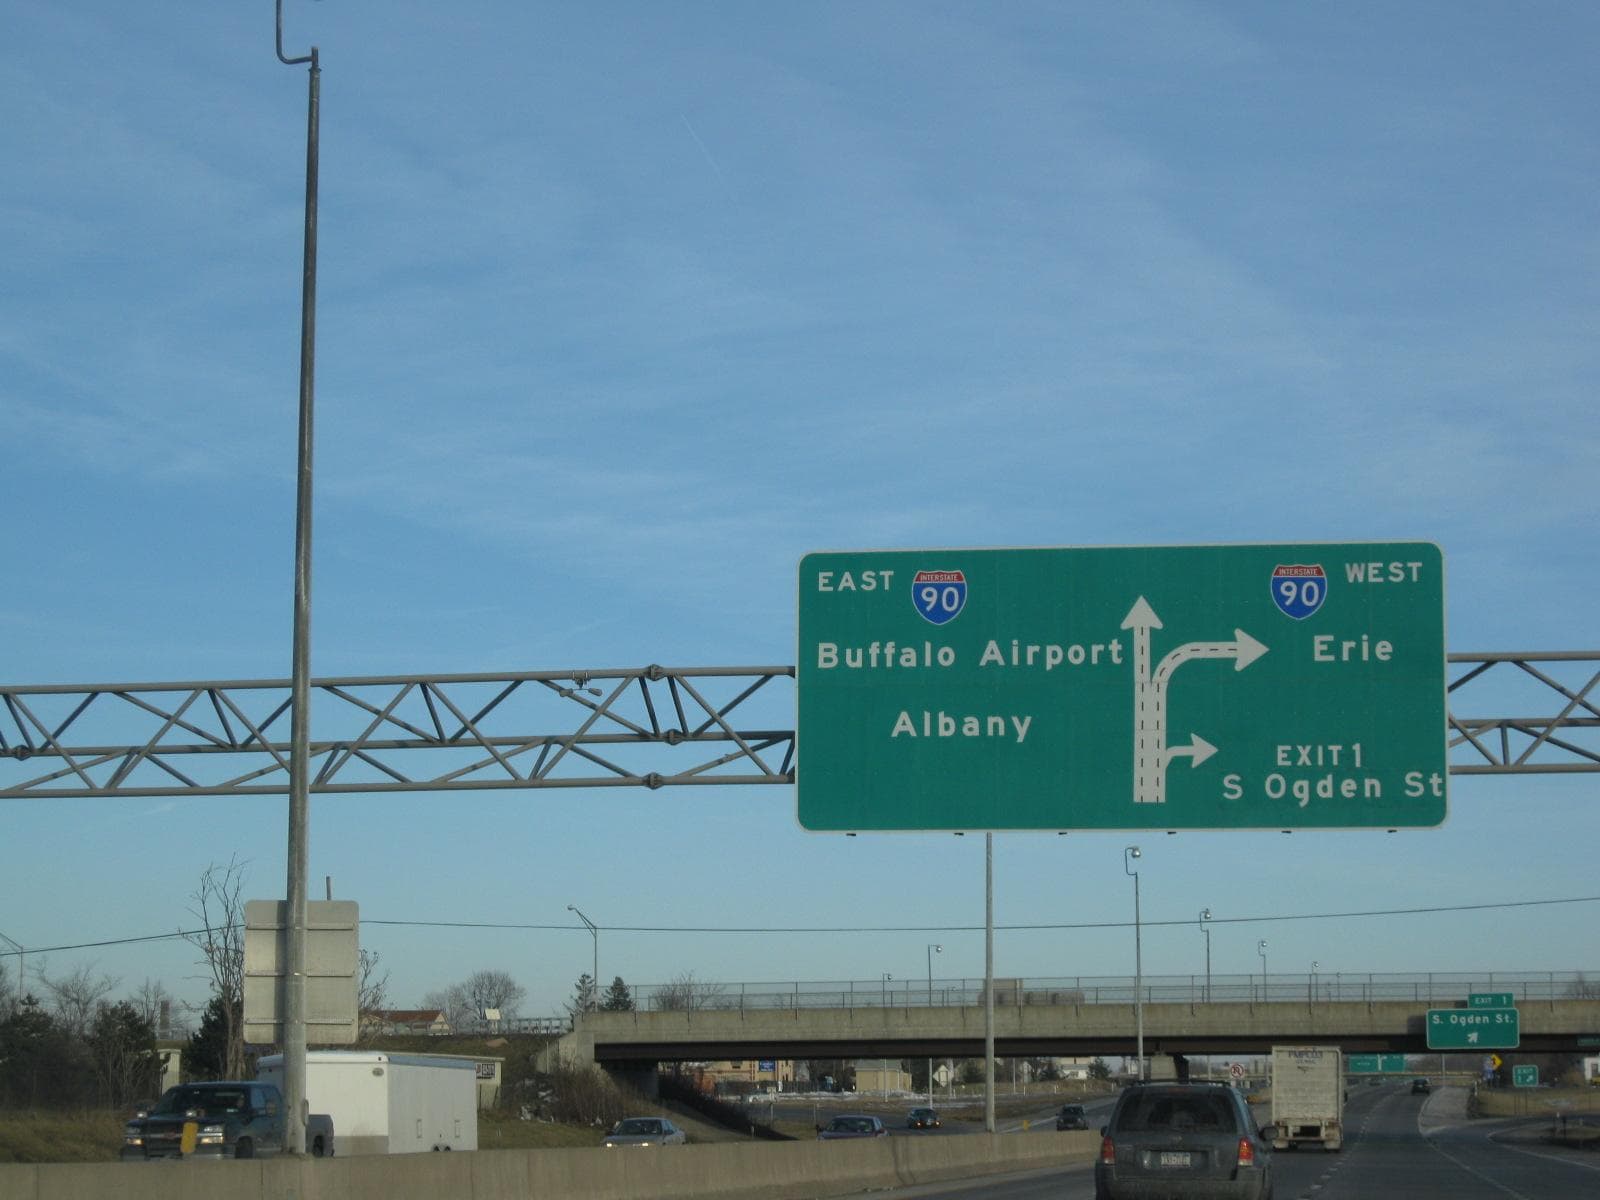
<point x="922" y="1118"/>
<point x="851" y="1127"/>
<point x="645" y="1131"/>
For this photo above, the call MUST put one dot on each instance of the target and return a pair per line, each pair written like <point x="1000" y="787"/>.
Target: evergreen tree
<point x="206" y="1056"/>
<point x="122" y="1045"/>
<point x="617" y="998"/>
<point x="585" y="997"/>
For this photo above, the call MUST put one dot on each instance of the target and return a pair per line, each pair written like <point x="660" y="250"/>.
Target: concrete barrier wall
<point x="775" y="1170"/>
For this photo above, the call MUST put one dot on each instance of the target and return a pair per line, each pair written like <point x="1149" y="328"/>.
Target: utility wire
<point x="791" y="929"/>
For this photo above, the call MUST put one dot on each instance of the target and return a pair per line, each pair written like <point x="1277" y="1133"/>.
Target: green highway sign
<point x="1490" y="1000"/>
<point x="1473" y="1029"/>
<point x="1376" y="1064"/>
<point x="1525" y="1076"/>
<point x="1296" y="686"/>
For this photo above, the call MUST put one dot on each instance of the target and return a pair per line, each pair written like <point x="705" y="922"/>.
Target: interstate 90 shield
<point x="1299" y="589"/>
<point x="939" y="596"/>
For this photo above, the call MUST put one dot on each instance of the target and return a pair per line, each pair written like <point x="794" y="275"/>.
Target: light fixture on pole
<point x="932" y="950"/>
<point x="1261" y="949"/>
<point x="883" y="1000"/>
<point x="1205" y="915"/>
<point x="1313" y="980"/>
<point x="594" y="932"/>
<point x="1129" y="854"/>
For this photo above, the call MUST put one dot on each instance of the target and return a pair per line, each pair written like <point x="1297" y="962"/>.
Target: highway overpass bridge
<point x="633" y="1041"/>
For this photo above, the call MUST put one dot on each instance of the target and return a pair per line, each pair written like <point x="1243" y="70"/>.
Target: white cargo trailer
<point x="389" y="1103"/>
<point x="1307" y="1096"/>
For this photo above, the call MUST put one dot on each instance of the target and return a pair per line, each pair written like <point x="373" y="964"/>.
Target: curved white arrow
<point x="1151" y="754"/>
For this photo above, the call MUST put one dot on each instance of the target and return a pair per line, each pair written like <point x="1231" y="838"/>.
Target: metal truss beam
<point x="646" y="727"/>
<point x="642" y="727"/>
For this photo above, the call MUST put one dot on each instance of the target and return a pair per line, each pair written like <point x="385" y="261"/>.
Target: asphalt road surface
<point x="1398" y="1147"/>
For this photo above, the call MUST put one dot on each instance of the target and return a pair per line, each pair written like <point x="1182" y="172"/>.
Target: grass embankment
<point x="1577" y="1103"/>
<point x="33" y="1137"/>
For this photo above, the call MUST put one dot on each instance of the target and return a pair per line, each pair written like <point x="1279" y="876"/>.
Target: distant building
<point x="881" y="1075"/>
<point x="1073" y="1068"/>
<point x="742" y="1075"/>
<point x="405" y="1020"/>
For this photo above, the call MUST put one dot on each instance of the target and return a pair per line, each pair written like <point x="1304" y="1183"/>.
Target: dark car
<point x="1071" y="1116"/>
<point x="1171" y="1139"/>
<point x="851" y="1127"/>
<point x="1420" y="1087"/>
<point x="922" y="1118"/>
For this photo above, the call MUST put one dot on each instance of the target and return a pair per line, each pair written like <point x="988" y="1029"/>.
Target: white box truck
<point x="389" y="1103"/>
<point x="1307" y="1096"/>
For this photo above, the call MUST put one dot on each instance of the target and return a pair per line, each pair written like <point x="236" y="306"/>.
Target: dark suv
<point x="1190" y="1139"/>
<point x="1071" y="1116"/>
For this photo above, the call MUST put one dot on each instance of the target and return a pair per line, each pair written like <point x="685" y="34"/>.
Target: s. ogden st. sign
<point x="1161" y="687"/>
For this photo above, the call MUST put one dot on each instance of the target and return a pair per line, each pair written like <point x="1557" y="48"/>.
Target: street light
<point x="1313" y="980"/>
<point x="1205" y="915"/>
<point x="1261" y="949"/>
<point x="22" y="963"/>
<point x="883" y="1001"/>
<point x="1129" y="853"/>
<point x="594" y="932"/>
<point x="932" y="950"/>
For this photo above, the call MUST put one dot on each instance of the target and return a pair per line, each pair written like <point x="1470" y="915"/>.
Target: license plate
<point x="1173" y="1158"/>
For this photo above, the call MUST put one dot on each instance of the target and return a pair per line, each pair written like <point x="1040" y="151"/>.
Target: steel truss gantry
<point x="646" y="727"/>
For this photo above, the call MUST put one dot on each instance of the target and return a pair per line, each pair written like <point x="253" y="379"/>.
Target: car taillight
<point x="1108" y="1152"/>
<point x="1247" y="1152"/>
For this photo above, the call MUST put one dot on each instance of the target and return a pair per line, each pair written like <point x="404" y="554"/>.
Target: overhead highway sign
<point x="1473" y="1029"/>
<point x="1295" y="686"/>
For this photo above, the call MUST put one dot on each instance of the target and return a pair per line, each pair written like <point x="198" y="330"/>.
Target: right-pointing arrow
<point x="1197" y="751"/>
<point x="1249" y="649"/>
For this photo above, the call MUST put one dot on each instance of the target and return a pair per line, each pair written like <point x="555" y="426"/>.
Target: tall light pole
<point x="932" y="950"/>
<point x="1205" y="915"/>
<point x="298" y="850"/>
<point x="22" y="965"/>
<point x="1313" y="980"/>
<point x="883" y="988"/>
<point x="1261" y="949"/>
<point x="594" y="932"/>
<point x="1129" y="855"/>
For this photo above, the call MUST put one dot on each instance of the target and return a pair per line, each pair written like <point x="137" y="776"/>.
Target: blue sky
<point x="625" y="307"/>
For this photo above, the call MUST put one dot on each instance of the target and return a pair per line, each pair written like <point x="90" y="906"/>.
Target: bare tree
<point x="494" y="989"/>
<point x="218" y="904"/>
<point x="154" y="1004"/>
<point x="372" y="989"/>
<point x="1583" y="988"/>
<point x="686" y="994"/>
<point x="73" y="998"/>
<point x="464" y="1003"/>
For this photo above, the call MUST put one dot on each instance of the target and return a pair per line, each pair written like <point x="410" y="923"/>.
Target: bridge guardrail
<point x="1439" y="989"/>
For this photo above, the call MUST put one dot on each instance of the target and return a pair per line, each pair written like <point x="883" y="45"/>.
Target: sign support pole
<point x="988" y="982"/>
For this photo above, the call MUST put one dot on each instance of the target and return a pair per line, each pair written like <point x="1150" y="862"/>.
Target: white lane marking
<point x="1560" y="1158"/>
<point x="1477" y="1174"/>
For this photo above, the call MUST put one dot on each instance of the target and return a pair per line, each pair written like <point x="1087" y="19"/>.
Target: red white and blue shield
<point x="939" y="596"/>
<point x="1298" y="589"/>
